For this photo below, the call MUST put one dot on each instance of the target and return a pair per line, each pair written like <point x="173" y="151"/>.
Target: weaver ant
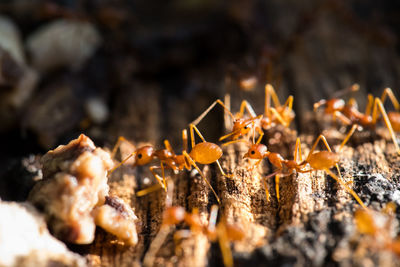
<point x="173" y="215"/>
<point x="378" y="226"/>
<point x="279" y="114"/>
<point x="241" y="126"/>
<point x="350" y="115"/>
<point x="203" y="153"/>
<point x="146" y="154"/>
<point x="322" y="160"/>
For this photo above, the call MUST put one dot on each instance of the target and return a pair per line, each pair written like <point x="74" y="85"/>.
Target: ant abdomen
<point x="394" y="118"/>
<point x="323" y="160"/>
<point x="206" y="153"/>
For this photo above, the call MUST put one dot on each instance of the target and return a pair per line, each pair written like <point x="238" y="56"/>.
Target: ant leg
<point x="184" y="140"/>
<point x="191" y="161"/>
<point x="192" y="126"/>
<point x="168" y="146"/>
<point x="348" y="189"/>
<point x="266" y="189"/>
<point x="369" y="105"/>
<point x="224" y="245"/>
<point x="155" y="246"/>
<point x="289" y="102"/>
<point x="246" y="105"/>
<point x="119" y="141"/>
<point x="277" y="186"/>
<point x="235" y="141"/>
<point x="160" y="180"/>
<point x="148" y="190"/>
<point x="322" y="137"/>
<point x="122" y="162"/>
<point x="297" y="151"/>
<point x="279" y="117"/>
<point x="222" y="171"/>
<point x="274" y="96"/>
<point x="378" y="105"/>
<point x="202" y="115"/>
<point x="260" y="133"/>
<point x="392" y="97"/>
<point x="229" y="134"/>
<point x="349" y="134"/>
<point x="267" y="101"/>
<point x="341" y="117"/>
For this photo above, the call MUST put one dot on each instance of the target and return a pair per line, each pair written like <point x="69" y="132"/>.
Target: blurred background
<point x="145" y="69"/>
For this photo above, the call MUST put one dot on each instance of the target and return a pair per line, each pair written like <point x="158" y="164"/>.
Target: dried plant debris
<point x="63" y="43"/>
<point x="116" y="217"/>
<point x="25" y="240"/>
<point x="74" y="190"/>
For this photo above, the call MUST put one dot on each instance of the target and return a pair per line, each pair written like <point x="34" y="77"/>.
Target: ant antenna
<point x="353" y="88"/>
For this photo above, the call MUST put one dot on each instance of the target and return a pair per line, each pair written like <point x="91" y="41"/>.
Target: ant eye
<point x="246" y="127"/>
<point x="139" y="156"/>
<point x="252" y="152"/>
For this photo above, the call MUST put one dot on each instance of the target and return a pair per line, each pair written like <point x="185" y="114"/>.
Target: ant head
<point x="241" y="126"/>
<point x="144" y="155"/>
<point x="256" y="151"/>
<point x="174" y="215"/>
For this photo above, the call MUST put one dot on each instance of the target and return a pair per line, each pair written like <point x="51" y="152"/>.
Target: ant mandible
<point x="173" y="215"/>
<point x="322" y="160"/>
<point x="350" y="115"/>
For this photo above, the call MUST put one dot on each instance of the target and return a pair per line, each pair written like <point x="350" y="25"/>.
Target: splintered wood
<point x="244" y="201"/>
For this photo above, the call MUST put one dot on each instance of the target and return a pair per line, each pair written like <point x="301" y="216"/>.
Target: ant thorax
<point x="334" y="105"/>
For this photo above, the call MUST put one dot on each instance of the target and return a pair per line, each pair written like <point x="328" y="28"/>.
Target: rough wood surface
<point x="302" y="228"/>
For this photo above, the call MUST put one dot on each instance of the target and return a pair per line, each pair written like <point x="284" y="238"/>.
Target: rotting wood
<point x="243" y="200"/>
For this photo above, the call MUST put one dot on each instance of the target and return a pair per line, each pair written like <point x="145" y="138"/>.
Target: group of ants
<point x="248" y="127"/>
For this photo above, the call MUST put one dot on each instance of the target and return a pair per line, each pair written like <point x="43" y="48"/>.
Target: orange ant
<point x="367" y="223"/>
<point x="146" y="154"/>
<point x="280" y="114"/>
<point x="173" y="215"/>
<point x="203" y="153"/>
<point x="322" y="160"/>
<point x="241" y="126"/>
<point x="349" y="114"/>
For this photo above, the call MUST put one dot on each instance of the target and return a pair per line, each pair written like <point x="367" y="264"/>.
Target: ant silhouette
<point x="174" y="215"/>
<point x="367" y="223"/>
<point x="203" y="153"/>
<point x="322" y="160"/>
<point x="348" y="113"/>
